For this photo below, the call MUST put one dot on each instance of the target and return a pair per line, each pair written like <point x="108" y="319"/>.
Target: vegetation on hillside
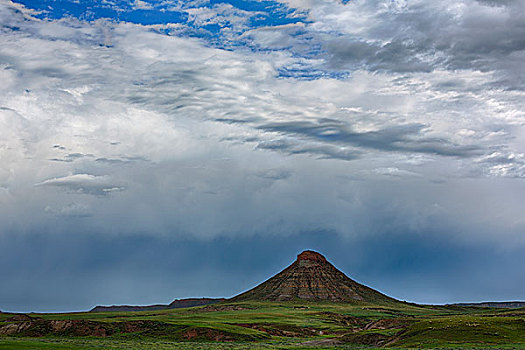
<point x="267" y="325"/>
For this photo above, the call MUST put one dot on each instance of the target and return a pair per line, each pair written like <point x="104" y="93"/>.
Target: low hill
<point x="175" y="304"/>
<point x="495" y="304"/>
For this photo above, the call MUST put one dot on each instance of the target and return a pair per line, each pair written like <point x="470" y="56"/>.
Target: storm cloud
<point x="362" y="122"/>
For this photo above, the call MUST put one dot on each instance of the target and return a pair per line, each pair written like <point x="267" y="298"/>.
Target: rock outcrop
<point x="18" y="318"/>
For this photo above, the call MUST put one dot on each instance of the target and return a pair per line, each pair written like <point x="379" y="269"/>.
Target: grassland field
<point x="273" y="325"/>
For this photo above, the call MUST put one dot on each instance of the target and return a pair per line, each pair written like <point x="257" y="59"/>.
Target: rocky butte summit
<point x="312" y="278"/>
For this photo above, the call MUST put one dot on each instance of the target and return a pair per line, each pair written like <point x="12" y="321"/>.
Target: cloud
<point x="394" y="56"/>
<point x="71" y="210"/>
<point x="369" y="130"/>
<point x="320" y="150"/>
<point x="275" y="174"/>
<point x="395" y="172"/>
<point x="421" y="36"/>
<point x="84" y="184"/>
<point x="395" y="138"/>
<point x="385" y="128"/>
<point x="142" y="5"/>
<point x="501" y="163"/>
<point x="121" y="161"/>
<point x="70" y="157"/>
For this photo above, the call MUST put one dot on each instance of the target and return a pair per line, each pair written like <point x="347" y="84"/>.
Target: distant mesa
<point x="119" y="308"/>
<point x="496" y="304"/>
<point x="311" y="277"/>
<point x="180" y="303"/>
<point x="175" y="304"/>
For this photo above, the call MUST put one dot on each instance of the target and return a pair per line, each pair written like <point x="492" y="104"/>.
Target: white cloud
<point x="142" y="5"/>
<point x="393" y="171"/>
<point x="210" y="142"/>
<point x="84" y="184"/>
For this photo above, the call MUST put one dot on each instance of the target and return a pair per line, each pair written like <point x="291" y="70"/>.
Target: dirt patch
<point x="39" y="328"/>
<point x="323" y="342"/>
<point x="19" y="318"/>
<point x="195" y="333"/>
<point x="372" y="339"/>
<point x="212" y="308"/>
<point x="341" y="319"/>
<point x="387" y="323"/>
<point x="280" y="330"/>
<point x="79" y="328"/>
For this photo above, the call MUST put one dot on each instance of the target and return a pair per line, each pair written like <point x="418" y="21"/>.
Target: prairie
<point x="271" y="325"/>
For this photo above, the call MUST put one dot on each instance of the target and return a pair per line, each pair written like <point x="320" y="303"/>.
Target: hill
<point x="175" y="304"/>
<point x="312" y="278"/>
<point x="495" y="304"/>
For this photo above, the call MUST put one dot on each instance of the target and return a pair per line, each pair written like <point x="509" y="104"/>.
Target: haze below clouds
<point x="389" y="134"/>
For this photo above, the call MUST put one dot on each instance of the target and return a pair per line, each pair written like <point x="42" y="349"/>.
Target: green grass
<point x="465" y="330"/>
<point x="273" y="325"/>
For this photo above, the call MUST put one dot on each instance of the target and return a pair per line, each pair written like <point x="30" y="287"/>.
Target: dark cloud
<point x="397" y="138"/>
<point x="479" y="35"/>
<point x="498" y="3"/>
<point x="216" y="154"/>
<point x="77" y="271"/>
<point x="68" y="158"/>
<point x="323" y="151"/>
<point x="396" y="56"/>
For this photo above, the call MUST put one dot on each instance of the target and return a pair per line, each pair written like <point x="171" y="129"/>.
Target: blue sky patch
<point x="265" y="13"/>
<point x="220" y="23"/>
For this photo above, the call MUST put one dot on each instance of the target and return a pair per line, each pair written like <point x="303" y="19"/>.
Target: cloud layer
<point x="391" y="130"/>
<point x="141" y="131"/>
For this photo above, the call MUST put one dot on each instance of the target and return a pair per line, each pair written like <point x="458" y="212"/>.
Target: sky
<point x="153" y="150"/>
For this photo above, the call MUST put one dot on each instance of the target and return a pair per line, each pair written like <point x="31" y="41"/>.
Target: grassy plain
<point x="271" y="325"/>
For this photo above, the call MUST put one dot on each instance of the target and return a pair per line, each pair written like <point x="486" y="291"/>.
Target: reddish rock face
<point x="311" y="277"/>
<point x="311" y="255"/>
